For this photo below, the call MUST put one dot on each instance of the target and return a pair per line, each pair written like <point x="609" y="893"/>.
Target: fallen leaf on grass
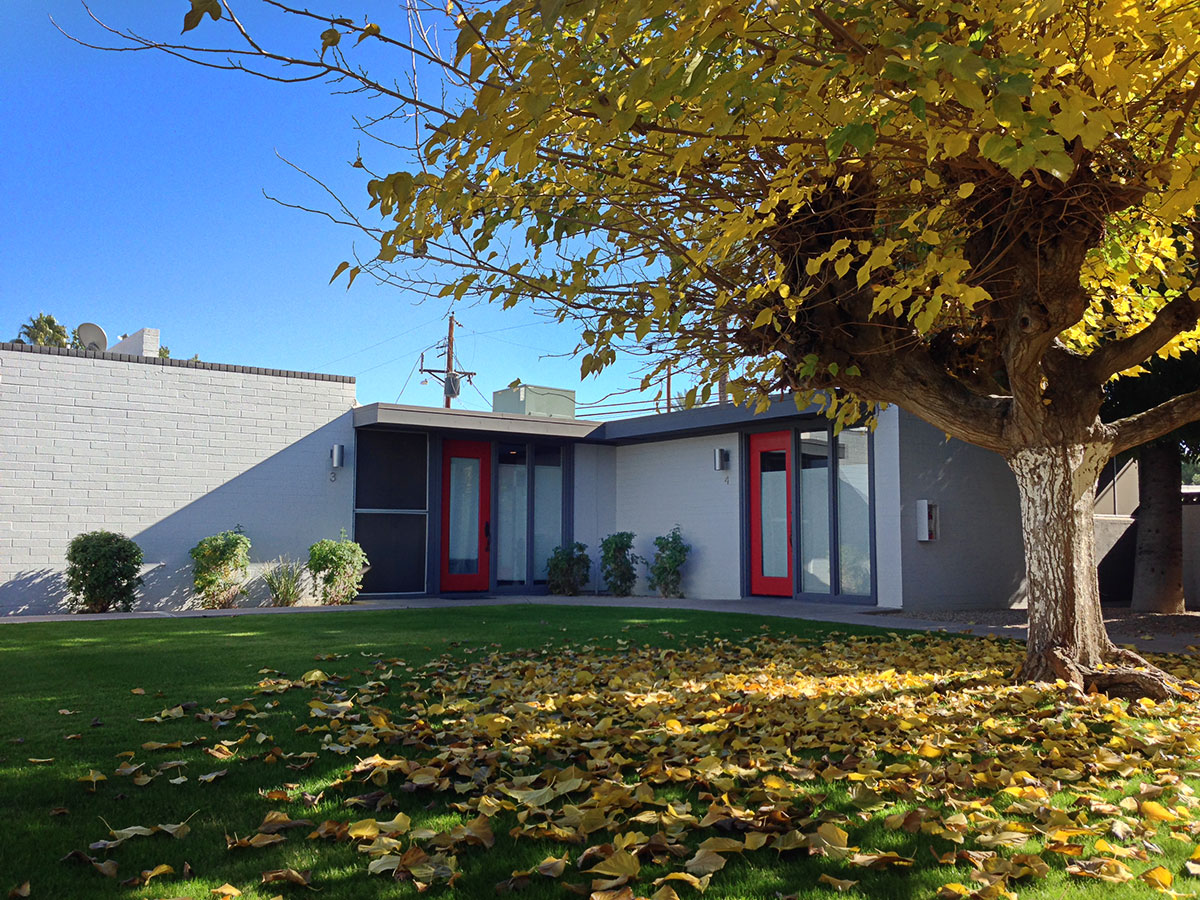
<point x="1110" y="870"/>
<point x="21" y="890"/>
<point x="226" y="890"/>
<point x="210" y="777"/>
<point x="255" y="841"/>
<point x="59" y="811"/>
<point x="552" y="866"/>
<point x="289" y="875"/>
<point x="41" y="762"/>
<point x="838" y="884"/>
<point x="67" y="712"/>
<point x="275" y="821"/>
<point x="700" y="884"/>
<point x="108" y="868"/>
<point x="92" y="778"/>
<point x="705" y="862"/>
<point x="623" y="863"/>
<point x="1158" y="878"/>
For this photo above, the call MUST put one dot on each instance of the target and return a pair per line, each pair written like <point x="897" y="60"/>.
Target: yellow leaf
<point x="620" y="863"/>
<point x="1158" y="878"/>
<point x="1155" y="811"/>
<point x="838" y="884"/>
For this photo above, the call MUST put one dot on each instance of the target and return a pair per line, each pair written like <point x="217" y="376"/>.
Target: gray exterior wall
<point x="595" y="501"/>
<point x="978" y="560"/>
<point x="166" y="452"/>
<point x="661" y="484"/>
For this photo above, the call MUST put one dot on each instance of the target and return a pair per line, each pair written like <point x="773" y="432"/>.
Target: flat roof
<point x="711" y="419"/>
<point x="661" y="426"/>
<point x="167" y="362"/>
<point x="393" y="415"/>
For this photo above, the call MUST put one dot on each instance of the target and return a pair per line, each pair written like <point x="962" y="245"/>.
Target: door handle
<point x="487" y="535"/>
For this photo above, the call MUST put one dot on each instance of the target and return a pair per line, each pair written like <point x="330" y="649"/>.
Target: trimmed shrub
<point x="338" y="567"/>
<point x="219" y="566"/>
<point x="102" y="572"/>
<point x="285" y="581"/>
<point x="618" y="563"/>
<point x="669" y="556"/>
<point x="568" y="569"/>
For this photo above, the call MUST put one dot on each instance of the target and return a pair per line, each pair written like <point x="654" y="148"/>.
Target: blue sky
<point x="132" y="189"/>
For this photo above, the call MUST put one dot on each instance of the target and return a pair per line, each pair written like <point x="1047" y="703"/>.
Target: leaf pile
<point x="647" y="771"/>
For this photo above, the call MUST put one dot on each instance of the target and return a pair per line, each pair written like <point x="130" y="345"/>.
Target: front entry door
<point x="771" y="514"/>
<point x="466" y="515"/>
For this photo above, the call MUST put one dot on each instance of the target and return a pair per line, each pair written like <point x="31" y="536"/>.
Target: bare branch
<point x="1133" y="431"/>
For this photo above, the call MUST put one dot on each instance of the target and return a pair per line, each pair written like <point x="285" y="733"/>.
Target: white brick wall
<point x="166" y="455"/>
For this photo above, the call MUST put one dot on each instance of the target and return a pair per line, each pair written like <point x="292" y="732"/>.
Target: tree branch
<point x="1116" y="356"/>
<point x="1133" y="431"/>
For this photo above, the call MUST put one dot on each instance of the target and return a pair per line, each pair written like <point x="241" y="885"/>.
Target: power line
<point x="407" y="331"/>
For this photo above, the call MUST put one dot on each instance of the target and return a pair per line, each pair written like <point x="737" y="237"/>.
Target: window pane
<point x="814" y="512"/>
<point x="510" y="525"/>
<point x="854" y="513"/>
<point x="547" y="507"/>
<point x="395" y="548"/>
<point x="391" y="470"/>
<point x="773" y="494"/>
<point x="464" y="516"/>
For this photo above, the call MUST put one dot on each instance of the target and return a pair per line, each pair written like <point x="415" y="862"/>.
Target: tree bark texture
<point x="1158" y="563"/>
<point x="1067" y="638"/>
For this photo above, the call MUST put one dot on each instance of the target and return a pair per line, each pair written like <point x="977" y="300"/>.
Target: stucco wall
<point x="662" y="484"/>
<point x="166" y="454"/>
<point x="595" y="500"/>
<point x="977" y="561"/>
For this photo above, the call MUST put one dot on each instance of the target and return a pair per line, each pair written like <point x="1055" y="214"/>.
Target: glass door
<point x="771" y="514"/>
<point x="466" y="515"/>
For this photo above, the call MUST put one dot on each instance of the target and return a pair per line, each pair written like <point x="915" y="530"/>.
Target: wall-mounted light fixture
<point x="337" y="456"/>
<point x="927" y="521"/>
<point x="720" y="459"/>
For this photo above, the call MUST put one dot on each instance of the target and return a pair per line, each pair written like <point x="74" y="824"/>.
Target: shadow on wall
<point x="284" y="504"/>
<point x="35" y="592"/>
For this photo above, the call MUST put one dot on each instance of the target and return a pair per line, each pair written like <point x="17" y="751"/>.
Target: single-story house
<point x="457" y="502"/>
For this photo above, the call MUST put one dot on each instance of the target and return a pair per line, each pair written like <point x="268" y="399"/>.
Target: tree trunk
<point x="1158" y="565"/>
<point x="1067" y="639"/>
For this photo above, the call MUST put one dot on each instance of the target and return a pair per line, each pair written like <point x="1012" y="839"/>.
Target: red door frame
<point x="778" y="586"/>
<point x="479" y="580"/>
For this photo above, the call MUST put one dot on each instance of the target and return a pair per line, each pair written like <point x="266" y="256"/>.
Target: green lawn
<point x="496" y="739"/>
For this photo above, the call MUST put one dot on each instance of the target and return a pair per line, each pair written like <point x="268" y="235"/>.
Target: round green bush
<point x="102" y="572"/>
<point x="219" y="567"/>
<point x="567" y="569"/>
<point x="338" y="567"/>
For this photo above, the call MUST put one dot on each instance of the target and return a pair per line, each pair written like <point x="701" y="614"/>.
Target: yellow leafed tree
<point x="979" y="212"/>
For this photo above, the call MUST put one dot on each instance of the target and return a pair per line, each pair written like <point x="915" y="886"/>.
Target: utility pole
<point x="668" y="388"/>
<point x="449" y="356"/>
<point x="445" y="377"/>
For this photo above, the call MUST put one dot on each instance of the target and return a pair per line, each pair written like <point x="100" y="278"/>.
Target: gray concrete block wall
<point x="978" y="559"/>
<point x="661" y="484"/>
<point x="166" y="454"/>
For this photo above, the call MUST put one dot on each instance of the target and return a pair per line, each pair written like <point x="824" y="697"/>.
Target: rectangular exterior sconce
<point x="927" y="521"/>
<point x="720" y="459"/>
<point x="337" y="456"/>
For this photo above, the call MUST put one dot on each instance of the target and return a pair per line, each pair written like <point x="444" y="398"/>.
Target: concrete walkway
<point x="1143" y="638"/>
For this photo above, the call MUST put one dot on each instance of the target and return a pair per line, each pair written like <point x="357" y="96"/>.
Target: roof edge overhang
<point x="390" y="415"/>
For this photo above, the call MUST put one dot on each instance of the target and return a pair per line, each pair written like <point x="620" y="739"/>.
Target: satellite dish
<point x="92" y="337"/>
<point x="453" y="386"/>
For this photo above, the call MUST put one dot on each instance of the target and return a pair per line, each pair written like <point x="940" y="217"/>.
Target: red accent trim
<point x="479" y="580"/>
<point x="774" y="441"/>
